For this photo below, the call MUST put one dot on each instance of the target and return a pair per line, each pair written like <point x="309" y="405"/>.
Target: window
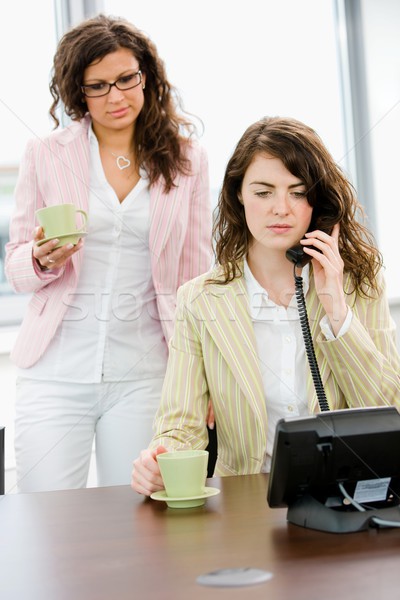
<point x="235" y="62"/>
<point x="381" y="25"/>
<point x="24" y="102"/>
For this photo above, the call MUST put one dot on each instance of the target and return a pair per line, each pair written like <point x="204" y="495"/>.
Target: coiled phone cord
<point x="305" y="327"/>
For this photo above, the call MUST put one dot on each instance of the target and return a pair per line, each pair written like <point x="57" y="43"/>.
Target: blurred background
<point x="334" y="64"/>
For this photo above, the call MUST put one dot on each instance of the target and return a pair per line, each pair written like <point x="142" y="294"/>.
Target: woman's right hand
<point x="146" y="476"/>
<point x="47" y="256"/>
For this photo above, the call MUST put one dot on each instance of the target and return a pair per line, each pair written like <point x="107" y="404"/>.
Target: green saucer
<point x="189" y="502"/>
<point x="66" y="238"/>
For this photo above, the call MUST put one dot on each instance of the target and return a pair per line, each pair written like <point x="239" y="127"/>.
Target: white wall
<point x="235" y="62"/>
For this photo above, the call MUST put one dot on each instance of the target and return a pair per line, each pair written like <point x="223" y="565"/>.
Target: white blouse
<point x="111" y="329"/>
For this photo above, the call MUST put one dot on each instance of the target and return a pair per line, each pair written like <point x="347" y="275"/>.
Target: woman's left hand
<point x="328" y="274"/>
<point x="210" y="420"/>
<point x="49" y="257"/>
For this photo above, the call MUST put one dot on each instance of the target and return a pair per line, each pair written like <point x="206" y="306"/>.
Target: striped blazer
<point x="56" y="170"/>
<point x="213" y="353"/>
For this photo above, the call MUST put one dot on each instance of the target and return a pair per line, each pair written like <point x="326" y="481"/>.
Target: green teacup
<point x="184" y="472"/>
<point x="59" y="221"/>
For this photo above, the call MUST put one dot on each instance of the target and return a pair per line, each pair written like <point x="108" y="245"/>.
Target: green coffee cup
<point x="184" y="472"/>
<point x="59" y="221"/>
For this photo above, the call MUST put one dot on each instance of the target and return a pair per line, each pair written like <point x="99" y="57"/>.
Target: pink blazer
<point x="56" y="170"/>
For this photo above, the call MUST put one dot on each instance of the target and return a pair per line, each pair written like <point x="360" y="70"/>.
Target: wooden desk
<point x="108" y="543"/>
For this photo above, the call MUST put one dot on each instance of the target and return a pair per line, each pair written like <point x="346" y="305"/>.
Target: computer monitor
<point x="338" y="471"/>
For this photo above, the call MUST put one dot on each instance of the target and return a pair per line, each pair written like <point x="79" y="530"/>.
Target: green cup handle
<point x="85" y="217"/>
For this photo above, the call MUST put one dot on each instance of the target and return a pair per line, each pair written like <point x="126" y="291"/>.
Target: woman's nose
<point x="281" y="204"/>
<point x="115" y="95"/>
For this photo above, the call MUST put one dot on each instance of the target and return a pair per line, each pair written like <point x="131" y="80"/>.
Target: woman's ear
<point x="239" y="195"/>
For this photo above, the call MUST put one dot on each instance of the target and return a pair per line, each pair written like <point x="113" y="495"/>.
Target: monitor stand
<point x="309" y="512"/>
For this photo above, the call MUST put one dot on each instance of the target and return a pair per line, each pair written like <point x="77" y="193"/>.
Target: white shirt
<point x="282" y="355"/>
<point x="111" y="329"/>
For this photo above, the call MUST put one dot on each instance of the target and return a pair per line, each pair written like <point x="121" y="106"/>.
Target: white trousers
<point x="56" y="422"/>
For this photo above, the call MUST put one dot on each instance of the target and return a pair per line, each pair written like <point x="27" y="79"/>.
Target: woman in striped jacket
<point x="238" y="337"/>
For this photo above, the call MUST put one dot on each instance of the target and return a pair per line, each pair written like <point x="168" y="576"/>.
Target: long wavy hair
<point x="161" y="130"/>
<point x="329" y="192"/>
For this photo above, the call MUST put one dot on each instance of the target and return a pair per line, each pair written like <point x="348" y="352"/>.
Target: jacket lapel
<point x="225" y="310"/>
<point x="74" y="170"/>
<point x="164" y="210"/>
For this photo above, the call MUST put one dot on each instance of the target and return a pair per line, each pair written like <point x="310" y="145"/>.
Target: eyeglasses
<point x="127" y="82"/>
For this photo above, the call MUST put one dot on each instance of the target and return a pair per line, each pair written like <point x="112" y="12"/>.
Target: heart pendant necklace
<point x="122" y="161"/>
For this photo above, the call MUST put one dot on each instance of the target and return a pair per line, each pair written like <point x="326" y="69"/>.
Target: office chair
<point x="212" y="449"/>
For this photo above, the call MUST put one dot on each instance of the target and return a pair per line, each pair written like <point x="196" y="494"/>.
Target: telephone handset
<point x="297" y="255"/>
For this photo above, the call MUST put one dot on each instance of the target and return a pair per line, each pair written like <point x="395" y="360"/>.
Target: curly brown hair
<point x="329" y="192"/>
<point x="161" y="130"/>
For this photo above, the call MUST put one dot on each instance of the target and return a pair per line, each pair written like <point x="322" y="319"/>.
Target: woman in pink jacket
<point x="92" y="349"/>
